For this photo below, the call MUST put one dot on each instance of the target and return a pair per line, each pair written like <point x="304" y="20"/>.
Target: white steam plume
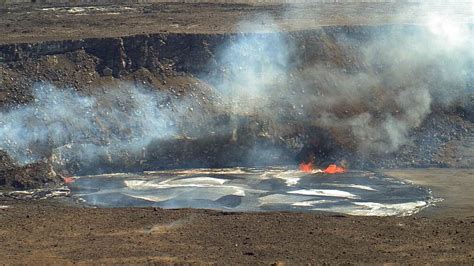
<point x="125" y="120"/>
<point x="383" y="90"/>
<point x="375" y="90"/>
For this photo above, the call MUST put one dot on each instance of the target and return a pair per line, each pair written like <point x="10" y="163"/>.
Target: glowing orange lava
<point x="306" y="167"/>
<point x="69" y="180"/>
<point x="334" y="169"/>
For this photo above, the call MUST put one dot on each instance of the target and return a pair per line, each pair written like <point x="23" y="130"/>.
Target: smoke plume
<point x="89" y="126"/>
<point x="370" y="91"/>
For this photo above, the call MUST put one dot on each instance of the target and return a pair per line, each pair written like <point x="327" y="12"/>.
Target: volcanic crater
<point x="247" y="114"/>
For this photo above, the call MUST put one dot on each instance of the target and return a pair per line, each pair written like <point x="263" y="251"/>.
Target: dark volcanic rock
<point x="35" y="175"/>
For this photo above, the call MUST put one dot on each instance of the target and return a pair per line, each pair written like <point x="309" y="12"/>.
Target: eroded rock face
<point x="193" y="53"/>
<point x="180" y="65"/>
<point x="35" y="175"/>
<point x="6" y="162"/>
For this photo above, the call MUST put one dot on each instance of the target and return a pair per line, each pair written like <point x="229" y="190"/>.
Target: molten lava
<point x="68" y="180"/>
<point x="331" y="169"/>
<point x="334" y="169"/>
<point x="306" y="167"/>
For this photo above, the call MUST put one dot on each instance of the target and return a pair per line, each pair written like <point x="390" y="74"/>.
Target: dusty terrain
<point x="50" y="232"/>
<point x="41" y="23"/>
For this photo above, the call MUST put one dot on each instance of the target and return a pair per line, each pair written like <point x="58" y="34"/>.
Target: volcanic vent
<point x="241" y="112"/>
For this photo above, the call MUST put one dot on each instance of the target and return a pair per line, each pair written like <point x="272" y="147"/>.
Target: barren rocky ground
<point x="49" y="232"/>
<point x="40" y="23"/>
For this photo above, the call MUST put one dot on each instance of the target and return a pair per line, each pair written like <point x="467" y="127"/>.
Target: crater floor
<point x="256" y="189"/>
